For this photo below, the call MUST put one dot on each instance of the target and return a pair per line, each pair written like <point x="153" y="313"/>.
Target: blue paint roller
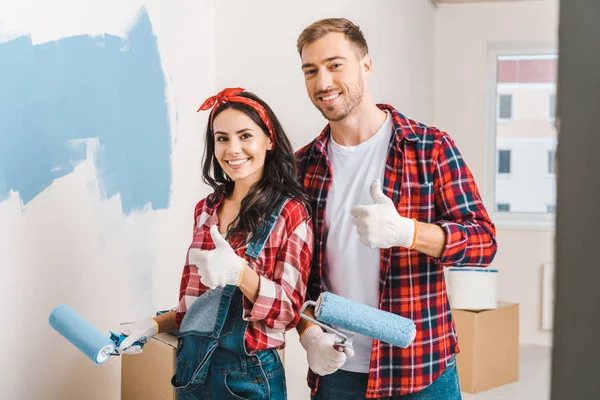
<point x="351" y="316"/>
<point x="87" y="338"/>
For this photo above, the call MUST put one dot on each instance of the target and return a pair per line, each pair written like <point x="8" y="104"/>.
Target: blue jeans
<point x="234" y="376"/>
<point x="353" y="386"/>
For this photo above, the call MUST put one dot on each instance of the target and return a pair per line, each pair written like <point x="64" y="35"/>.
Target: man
<point x="393" y="203"/>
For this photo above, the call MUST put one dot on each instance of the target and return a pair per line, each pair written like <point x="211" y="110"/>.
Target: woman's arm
<point x="250" y="283"/>
<point x="166" y="322"/>
<point x="276" y="299"/>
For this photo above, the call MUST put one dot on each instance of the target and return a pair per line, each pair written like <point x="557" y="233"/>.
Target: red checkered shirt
<point x="427" y="178"/>
<point x="283" y="267"/>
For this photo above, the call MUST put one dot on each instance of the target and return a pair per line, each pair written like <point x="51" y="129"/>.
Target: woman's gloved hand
<point x="218" y="267"/>
<point x="140" y="330"/>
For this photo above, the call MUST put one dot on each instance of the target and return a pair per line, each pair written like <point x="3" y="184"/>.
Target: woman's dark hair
<point x="278" y="180"/>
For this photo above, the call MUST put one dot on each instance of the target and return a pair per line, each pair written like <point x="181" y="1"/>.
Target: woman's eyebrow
<point x="237" y="133"/>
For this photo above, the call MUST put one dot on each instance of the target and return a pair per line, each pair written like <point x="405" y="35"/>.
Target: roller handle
<point x="118" y="338"/>
<point x="341" y="339"/>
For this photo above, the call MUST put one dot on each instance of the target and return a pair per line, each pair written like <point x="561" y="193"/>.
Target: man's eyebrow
<point x="329" y="59"/>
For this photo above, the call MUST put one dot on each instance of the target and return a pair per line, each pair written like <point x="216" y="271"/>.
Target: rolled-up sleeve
<point x="470" y="233"/>
<point x="281" y="295"/>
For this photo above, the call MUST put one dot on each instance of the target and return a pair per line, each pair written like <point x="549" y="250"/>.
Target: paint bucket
<point x="473" y="288"/>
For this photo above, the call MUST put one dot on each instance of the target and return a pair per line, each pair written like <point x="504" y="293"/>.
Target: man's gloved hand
<point x="218" y="267"/>
<point x="323" y="358"/>
<point x="379" y="225"/>
<point x="145" y="328"/>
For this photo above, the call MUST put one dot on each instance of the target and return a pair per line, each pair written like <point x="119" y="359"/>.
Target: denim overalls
<point x="212" y="361"/>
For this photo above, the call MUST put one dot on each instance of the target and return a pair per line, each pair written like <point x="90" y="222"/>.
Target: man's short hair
<point x="317" y="30"/>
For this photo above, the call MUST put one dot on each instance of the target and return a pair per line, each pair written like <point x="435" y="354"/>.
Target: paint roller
<point x="87" y="338"/>
<point x="351" y="316"/>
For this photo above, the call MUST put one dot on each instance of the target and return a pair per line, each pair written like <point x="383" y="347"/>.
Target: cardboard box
<point x="148" y="375"/>
<point x="489" y="347"/>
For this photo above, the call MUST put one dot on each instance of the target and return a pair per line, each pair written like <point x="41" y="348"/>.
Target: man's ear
<point x="367" y="65"/>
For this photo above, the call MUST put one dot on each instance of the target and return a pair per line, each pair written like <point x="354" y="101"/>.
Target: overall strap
<point x="256" y="246"/>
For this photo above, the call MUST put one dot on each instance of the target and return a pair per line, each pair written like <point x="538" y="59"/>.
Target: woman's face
<point x="240" y="146"/>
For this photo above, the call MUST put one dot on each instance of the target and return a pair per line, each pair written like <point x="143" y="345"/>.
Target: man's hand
<point x="218" y="267"/>
<point x="144" y="329"/>
<point x="379" y="225"/>
<point x="323" y="358"/>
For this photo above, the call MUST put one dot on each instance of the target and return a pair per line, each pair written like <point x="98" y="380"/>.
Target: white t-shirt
<point x="351" y="269"/>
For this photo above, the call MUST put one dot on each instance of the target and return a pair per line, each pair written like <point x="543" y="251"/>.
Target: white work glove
<point x="379" y="225"/>
<point x="323" y="358"/>
<point x="140" y="330"/>
<point x="218" y="267"/>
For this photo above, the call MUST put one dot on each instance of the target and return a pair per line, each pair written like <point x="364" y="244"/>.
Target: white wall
<point x="70" y="244"/>
<point x="256" y="49"/>
<point x="462" y="35"/>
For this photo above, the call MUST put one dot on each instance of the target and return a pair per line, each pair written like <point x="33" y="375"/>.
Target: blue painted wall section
<point x="106" y="87"/>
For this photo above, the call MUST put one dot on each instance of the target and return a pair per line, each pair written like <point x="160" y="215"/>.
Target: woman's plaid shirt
<point x="282" y="266"/>
<point x="427" y="178"/>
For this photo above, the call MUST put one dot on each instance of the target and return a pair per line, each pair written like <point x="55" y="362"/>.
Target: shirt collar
<point x="403" y="129"/>
<point x="211" y="206"/>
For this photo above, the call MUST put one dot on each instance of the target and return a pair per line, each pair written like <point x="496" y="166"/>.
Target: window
<point x="521" y="154"/>
<point x="550" y="208"/>
<point x="503" y="207"/>
<point x="505" y="107"/>
<point x="551" y="161"/>
<point x="504" y="161"/>
<point x="552" y="107"/>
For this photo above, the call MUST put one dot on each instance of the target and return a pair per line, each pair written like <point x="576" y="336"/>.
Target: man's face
<point x="334" y="75"/>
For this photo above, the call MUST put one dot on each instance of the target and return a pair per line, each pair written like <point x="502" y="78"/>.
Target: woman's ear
<point x="270" y="146"/>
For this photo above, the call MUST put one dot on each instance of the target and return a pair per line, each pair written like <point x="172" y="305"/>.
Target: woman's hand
<point x="140" y="330"/>
<point x="218" y="267"/>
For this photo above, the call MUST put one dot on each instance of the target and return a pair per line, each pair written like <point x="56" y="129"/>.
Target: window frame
<point x="502" y="204"/>
<point x="498" y="162"/>
<point x="551" y="161"/>
<point x="512" y="107"/>
<point x="552" y="107"/>
<point x="511" y="219"/>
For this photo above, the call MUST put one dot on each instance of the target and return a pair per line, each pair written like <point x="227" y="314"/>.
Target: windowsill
<point x="504" y="120"/>
<point x="503" y="175"/>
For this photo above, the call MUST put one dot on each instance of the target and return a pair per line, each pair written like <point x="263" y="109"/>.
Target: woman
<point x="247" y="268"/>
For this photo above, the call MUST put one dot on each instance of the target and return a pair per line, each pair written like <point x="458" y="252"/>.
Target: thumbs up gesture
<point x="218" y="267"/>
<point x="379" y="225"/>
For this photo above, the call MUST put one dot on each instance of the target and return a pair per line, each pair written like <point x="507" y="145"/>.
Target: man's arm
<point x="303" y="324"/>
<point x="430" y="239"/>
<point x="380" y="226"/>
<point x="469" y="231"/>
<point x="463" y="234"/>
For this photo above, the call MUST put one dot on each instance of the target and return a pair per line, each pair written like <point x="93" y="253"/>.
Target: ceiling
<point x="472" y="1"/>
